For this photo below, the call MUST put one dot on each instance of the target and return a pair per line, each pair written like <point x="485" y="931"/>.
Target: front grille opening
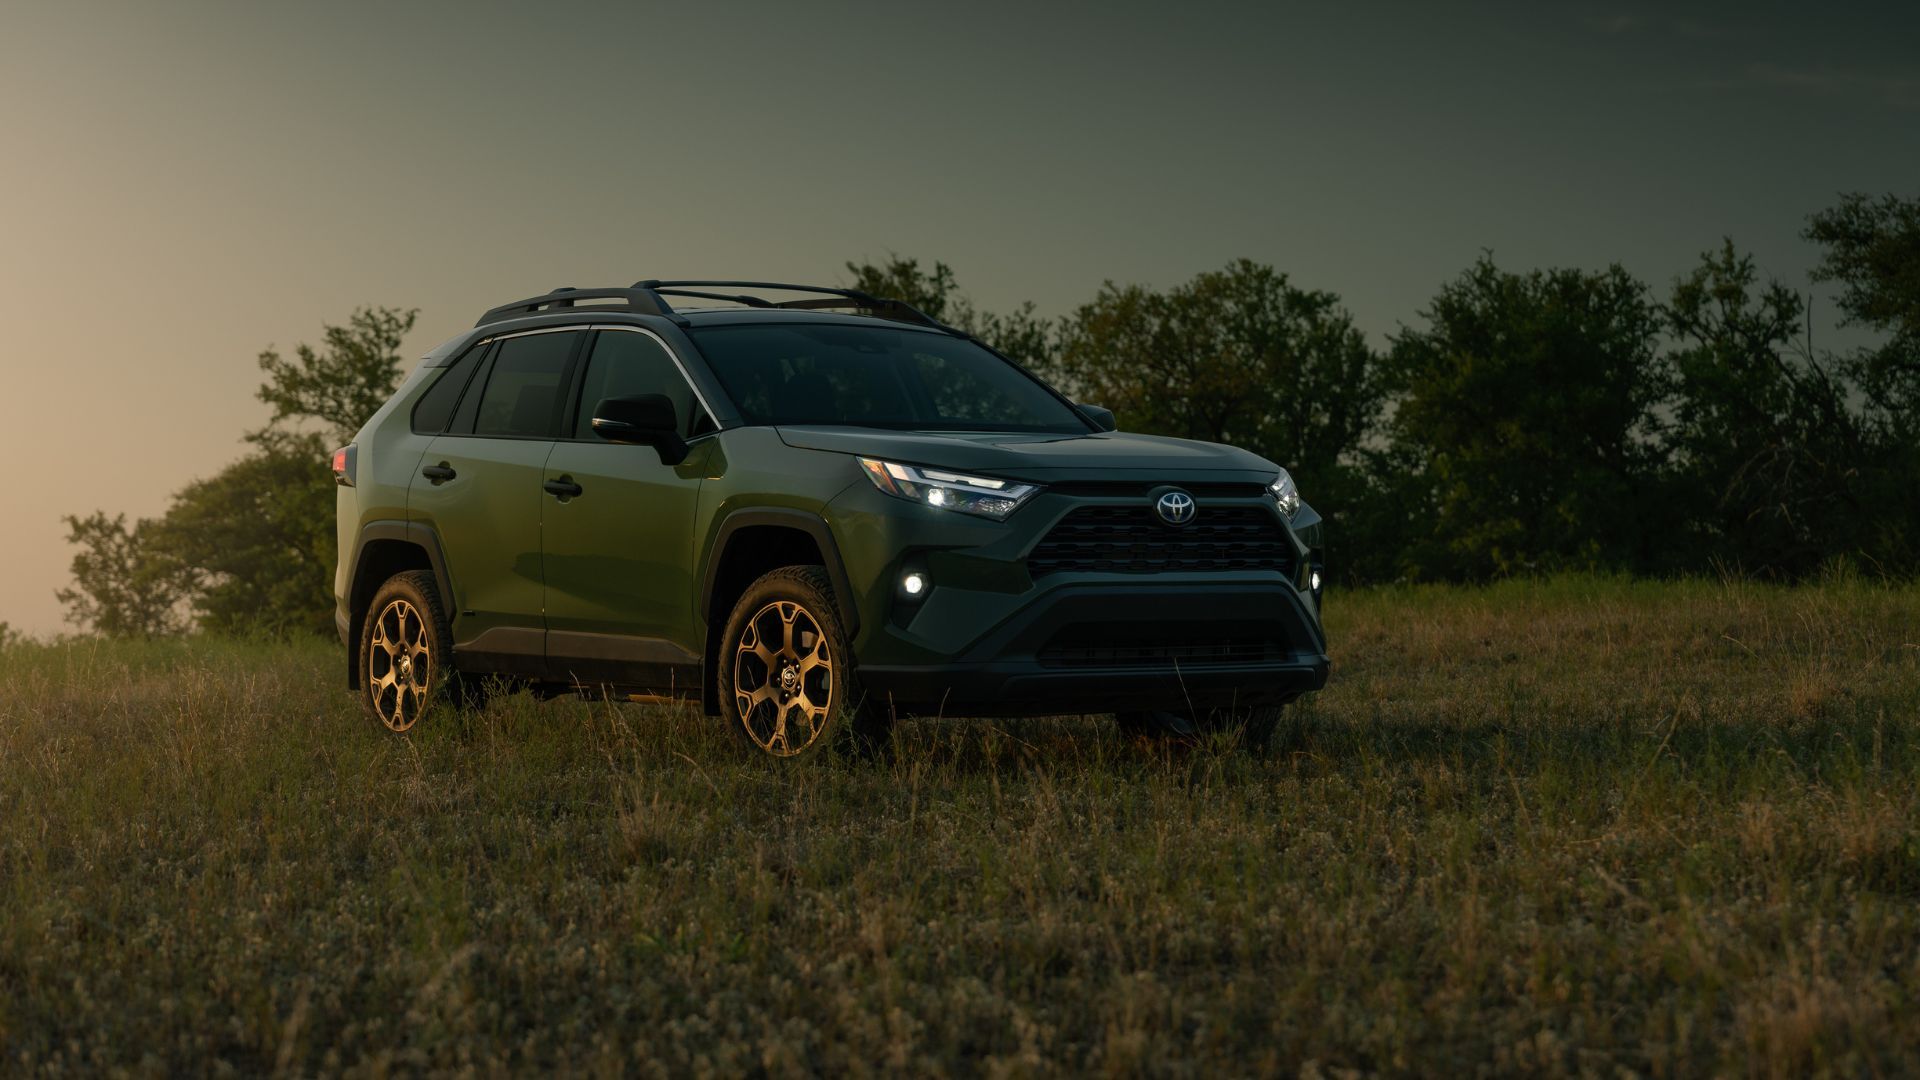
<point x="1215" y="644"/>
<point x="1132" y="540"/>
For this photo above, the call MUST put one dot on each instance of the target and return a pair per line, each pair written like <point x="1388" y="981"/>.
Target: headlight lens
<point x="1285" y="495"/>
<point x="979" y="495"/>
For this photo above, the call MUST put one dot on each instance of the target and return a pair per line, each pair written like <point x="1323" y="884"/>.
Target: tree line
<point x="1528" y="421"/>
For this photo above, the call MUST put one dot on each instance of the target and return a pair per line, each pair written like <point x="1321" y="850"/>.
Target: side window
<point x="626" y="364"/>
<point x="435" y="407"/>
<point x="523" y="393"/>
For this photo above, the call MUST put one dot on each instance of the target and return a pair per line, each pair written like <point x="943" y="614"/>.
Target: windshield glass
<point x="876" y="376"/>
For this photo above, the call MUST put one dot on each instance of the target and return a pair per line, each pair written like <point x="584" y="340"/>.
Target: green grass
<point x="1577" y="826"/>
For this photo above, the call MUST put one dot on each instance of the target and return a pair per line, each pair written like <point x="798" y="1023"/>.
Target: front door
<point x="618" y="554"/>
<point x="479" y="487"/>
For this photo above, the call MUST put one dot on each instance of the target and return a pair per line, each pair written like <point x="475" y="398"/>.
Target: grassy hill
<point x="1557" y="827"/>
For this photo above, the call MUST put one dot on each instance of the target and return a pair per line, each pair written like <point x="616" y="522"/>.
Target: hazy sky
<point x="184" y="185"/>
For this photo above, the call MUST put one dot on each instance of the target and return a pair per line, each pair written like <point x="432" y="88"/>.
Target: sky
<point x="183" y="185"/>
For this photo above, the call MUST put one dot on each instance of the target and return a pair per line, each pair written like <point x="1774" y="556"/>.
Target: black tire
<point x="805" y="679"/>
<point x="406" y="653"/>
<point x="1253" y="725"/>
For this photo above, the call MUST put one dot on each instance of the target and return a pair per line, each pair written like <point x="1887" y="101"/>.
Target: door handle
<point x="440" y="473"/>
<point x="563" y="488"/>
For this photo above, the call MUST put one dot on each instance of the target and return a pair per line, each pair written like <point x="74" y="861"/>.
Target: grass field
<point x="1580" y="826"/>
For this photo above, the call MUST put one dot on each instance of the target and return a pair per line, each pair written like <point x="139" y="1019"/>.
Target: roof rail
<point x="648" y="297"/>
<point x="643" y="300"/>
<point x="884" y="308"/>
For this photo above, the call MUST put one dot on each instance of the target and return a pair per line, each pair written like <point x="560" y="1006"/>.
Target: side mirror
<point x="646" y="420"/>
<point x="1102" y="418"/>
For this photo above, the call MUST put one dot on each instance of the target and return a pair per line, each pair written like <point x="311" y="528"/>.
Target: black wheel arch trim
<point x="805" y="521"/>
<point x="415" y="533"/>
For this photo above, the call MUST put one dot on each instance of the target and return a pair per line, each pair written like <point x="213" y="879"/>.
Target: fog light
<point x="914" y="584"/>
<point x="1314" y="581"/>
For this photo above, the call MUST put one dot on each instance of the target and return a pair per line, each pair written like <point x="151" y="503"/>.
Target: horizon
<point x="223" y="179"/>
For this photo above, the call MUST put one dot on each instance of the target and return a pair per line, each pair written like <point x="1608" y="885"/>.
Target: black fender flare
<point x="418" y="534"/>
<point x="804" y="520"/>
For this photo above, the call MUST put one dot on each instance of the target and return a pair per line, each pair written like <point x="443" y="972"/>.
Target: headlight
<point x="1285" y="495"/>
<point x="980" y="495"/>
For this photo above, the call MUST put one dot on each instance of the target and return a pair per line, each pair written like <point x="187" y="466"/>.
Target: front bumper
<point x="1104" y="646"/>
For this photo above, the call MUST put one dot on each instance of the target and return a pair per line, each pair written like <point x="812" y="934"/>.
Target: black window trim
<point x="567" y="374"/>
<point x="479" y="353"/>
<point x="579" y="380"/>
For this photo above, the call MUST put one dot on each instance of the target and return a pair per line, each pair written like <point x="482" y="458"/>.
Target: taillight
<point x="343" y="465"/>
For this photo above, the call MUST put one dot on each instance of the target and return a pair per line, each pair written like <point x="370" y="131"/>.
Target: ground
<point x="1572" y="826"/>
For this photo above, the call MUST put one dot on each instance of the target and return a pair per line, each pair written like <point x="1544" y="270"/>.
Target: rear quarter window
<point x="435" y="407"/>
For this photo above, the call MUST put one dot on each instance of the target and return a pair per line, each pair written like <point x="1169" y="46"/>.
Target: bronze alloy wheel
<point x="399" y="665"/>
<point x="783" y="678"/>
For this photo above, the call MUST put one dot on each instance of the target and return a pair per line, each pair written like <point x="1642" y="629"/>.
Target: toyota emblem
<point x="1174" y="507"/>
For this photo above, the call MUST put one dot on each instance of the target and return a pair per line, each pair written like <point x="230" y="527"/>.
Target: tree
<point x="1238" y="355"/>
<point x="123" y="586"/>
<point x="345" y="381"/>
<point x="1021" y="335"/>
<point x="250" y="548"/>
<point x="1872" y="249"/>
<point x="1764" y="445"/>
<point x="1527" y="411"/>
<point x="258" y="538"/>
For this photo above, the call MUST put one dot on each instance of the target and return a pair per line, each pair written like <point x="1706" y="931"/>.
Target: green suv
<point x="812" y="515"/>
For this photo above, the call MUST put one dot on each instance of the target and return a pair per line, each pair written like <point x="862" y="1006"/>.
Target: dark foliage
<point x="1525" y="410"/>
<point x="251" y="548"/>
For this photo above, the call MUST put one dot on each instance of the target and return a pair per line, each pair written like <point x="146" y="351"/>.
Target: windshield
<point x="876" y="376"/>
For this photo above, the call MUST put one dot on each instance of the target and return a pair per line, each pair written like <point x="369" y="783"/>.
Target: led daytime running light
<point x="983" y="496"/>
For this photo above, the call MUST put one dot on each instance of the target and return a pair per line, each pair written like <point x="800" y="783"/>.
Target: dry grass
<point x="1582" y="826"/>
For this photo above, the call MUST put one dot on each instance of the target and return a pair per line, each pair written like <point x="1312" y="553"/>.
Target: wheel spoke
<point x="753" y="644"/>
<point x="816" y="716"/>
<point x="788" y="613"/>
<point x="385" y="640"/>
<point x="750" y="700"/>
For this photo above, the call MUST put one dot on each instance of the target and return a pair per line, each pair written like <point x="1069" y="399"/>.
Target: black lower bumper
<point x="1106" y="648"/>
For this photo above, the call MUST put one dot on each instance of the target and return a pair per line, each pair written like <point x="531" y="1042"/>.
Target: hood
<point x="1040" y="456"/>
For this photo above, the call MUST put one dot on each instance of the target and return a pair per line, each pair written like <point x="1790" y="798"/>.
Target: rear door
<point x="479" y="487"/>
<point x="619" y="540"/>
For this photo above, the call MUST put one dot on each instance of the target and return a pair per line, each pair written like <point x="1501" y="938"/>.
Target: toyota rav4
<point x="812" y="515"/>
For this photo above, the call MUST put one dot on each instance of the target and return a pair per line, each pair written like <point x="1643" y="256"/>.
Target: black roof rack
<point x="649" y="298"/>
<point x="644" y="301"/>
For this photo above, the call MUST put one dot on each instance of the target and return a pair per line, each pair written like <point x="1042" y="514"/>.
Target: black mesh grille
<point x="1132" y="540"/>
